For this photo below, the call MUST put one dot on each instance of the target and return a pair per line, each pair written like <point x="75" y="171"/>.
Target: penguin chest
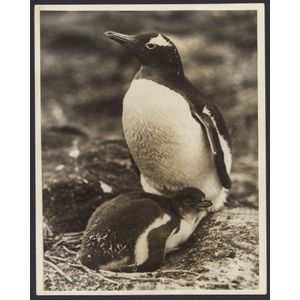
<point x="175" y="239"/>
<point x="168" y="145"/>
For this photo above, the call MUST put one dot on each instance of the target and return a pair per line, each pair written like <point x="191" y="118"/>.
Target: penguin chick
<point x="128" y="233"/>
<point x="131" y="232"/>
<point x="189" y="202"/>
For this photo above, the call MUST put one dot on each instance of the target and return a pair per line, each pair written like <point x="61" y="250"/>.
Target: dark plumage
<point x="129" y="233"/>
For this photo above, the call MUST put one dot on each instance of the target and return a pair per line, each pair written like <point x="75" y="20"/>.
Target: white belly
<point x="176" y="239"/>
<point x="168" y="145"/>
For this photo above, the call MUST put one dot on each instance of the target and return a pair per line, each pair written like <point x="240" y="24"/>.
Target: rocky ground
<point x="79" y="174"/>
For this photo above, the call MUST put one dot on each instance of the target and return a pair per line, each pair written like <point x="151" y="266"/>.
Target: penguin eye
<point x="150" y="46"/>
<point x="188" y="202"/>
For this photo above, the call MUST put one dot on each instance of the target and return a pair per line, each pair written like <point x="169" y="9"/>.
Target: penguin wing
<point x="210" y="118"/>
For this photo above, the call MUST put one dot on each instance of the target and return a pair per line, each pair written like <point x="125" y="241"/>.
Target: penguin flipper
<point x="206" y="120"/>
<point x="157" y="246"/>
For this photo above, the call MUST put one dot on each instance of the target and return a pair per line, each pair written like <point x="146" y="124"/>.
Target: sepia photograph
<point x="150" y="149"/>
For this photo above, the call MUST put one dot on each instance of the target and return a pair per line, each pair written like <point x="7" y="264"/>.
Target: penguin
<point x="176" y="137"/>
<point x="134" y="231"/>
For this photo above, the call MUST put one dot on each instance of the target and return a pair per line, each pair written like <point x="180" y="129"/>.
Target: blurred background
<point x="85" y="75"/>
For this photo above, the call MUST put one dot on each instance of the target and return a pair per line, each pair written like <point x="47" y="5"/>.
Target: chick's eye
<point x="188" y="202"/>
<point x="150" y="46"/>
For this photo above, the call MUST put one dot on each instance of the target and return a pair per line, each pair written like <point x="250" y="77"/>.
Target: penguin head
<point x="152" y="49"/>
<point x="190" y="201"/>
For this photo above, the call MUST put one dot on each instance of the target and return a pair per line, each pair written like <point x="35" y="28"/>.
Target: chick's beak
<point x="204" y="203"/>
<point x="121" y="38"/>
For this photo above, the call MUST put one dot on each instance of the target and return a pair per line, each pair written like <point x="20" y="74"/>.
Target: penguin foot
<point x="218" y="202"/>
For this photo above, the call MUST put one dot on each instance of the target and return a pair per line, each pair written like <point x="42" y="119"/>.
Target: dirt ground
<point x="85" y="159"/>
<point x="221" y="254"/>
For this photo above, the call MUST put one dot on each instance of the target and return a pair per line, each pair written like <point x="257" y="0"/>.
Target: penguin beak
<point x="204" y="203"/>
<point x="122" y="39"/>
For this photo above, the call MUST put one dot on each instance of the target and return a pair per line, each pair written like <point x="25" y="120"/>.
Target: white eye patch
<point x="160" y="41"/>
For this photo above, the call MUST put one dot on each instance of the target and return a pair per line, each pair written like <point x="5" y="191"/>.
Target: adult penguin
<point x="176" y="138"/>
